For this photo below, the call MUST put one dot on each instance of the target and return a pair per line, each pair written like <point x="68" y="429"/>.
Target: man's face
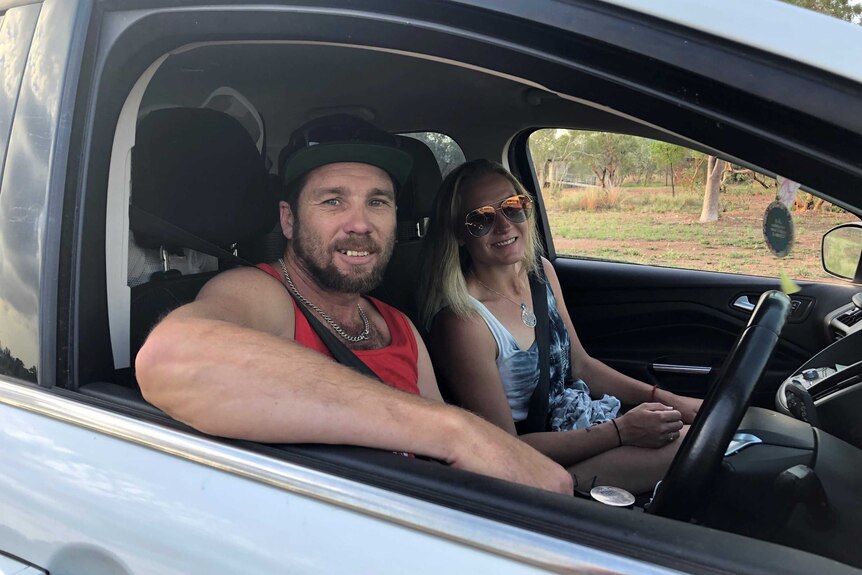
<point x="344" y="230"/>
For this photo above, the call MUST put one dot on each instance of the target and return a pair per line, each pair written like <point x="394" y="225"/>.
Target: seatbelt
<point x="340" y="352"/>
<point x="537" y="414"/>
<point x="147" y="223"/>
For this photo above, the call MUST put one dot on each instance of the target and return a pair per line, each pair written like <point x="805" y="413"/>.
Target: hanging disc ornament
<point x="778" y="229"/>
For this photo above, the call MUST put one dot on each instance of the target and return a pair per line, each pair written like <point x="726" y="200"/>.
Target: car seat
<point x="196" y="175"/>
<point x="415" y="203"/>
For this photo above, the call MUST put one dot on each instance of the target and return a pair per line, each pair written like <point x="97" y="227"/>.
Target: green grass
<point x="662" y="203"/>
<point x="617" y="253"/>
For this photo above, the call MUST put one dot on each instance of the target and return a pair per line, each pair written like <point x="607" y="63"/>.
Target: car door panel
<point x="652" y="323"/>
<point x="129" y="496"/>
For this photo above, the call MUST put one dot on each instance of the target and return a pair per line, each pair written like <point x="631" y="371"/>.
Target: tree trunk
<point x="601" y="176"/>
<point x="714" y="170"/>
<point x="672" y="187"/>
<point x="544" y="173"/>
<point x="612" y="179"/>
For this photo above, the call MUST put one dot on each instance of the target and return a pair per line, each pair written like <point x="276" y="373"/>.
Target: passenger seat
<point x="197" y="175"/>
<point x="194" y="171"/>
<point x="415" y="203"/>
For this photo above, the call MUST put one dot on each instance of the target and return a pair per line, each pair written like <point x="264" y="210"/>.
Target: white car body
<point x="89" y="489"/>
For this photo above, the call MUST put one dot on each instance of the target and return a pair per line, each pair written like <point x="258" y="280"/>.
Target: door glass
<point x="446" y="150"/>
<point x="18" y="355"/>
<point x="625" y="198"/>
<point x="16" y="32"/>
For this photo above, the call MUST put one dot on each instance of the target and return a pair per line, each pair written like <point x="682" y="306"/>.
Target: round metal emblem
<point x="613" y="496"/>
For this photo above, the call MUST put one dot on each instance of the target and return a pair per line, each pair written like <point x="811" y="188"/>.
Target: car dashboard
<point x="826" y="391"/>
<point x="791" y="475"/>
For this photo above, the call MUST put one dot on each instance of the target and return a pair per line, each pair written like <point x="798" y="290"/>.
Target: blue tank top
<point x="570" y="405"/>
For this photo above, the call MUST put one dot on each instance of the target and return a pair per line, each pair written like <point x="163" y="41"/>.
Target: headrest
<point x="422" y="184"/>
<point x="200" y="170"/>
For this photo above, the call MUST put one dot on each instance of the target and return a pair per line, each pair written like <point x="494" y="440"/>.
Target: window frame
<point x="573" y="521"/>
<point x="548" y="232"/>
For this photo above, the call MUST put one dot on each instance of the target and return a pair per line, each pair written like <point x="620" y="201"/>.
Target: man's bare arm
<point x="224" y="365"/>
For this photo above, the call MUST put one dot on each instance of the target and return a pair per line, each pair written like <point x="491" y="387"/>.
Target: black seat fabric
<point x="199" y="170"/>
<point x="270" y="246"/>
<point x="415" y="203"/>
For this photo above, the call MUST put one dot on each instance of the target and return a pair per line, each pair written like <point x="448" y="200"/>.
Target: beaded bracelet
<point x="652" y="393"/>
<point x="620" y="437"/>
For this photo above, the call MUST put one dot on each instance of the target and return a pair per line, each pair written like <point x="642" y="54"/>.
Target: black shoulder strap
<point x="144" y="221"/>
<point x="537" y="415"/>
<point x="340" y="352"/>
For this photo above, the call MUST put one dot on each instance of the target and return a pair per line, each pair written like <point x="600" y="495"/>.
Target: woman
<point x="481" y="246"/>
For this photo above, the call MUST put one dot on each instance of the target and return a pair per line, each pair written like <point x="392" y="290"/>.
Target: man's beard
<point x="316" y="258"/>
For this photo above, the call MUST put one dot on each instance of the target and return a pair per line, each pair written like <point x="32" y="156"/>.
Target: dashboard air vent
<point x="851" y="318"/>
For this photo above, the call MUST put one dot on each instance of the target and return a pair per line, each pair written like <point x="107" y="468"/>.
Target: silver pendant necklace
<point x="527" y="317"/>
<point x="361" y="337"/>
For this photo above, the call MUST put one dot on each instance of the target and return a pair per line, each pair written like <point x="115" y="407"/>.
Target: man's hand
<point x="650" y="425"/>
<point x="482" y="447"/>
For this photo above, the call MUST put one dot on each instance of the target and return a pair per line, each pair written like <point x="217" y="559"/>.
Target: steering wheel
<point x="690" y="475"/>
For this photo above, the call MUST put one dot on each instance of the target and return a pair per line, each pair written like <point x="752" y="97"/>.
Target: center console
<point x="827" y="390"/>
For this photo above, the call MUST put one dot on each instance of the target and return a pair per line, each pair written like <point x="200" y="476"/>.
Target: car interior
<point x="178" y="188"/>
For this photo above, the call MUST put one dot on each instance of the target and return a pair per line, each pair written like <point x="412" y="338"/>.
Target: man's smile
<point x="354" y="254"/>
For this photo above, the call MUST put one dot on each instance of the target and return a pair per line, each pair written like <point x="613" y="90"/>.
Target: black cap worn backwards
<point x="343" y="138"/>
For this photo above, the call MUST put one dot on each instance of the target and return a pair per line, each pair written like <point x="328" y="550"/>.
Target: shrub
<point x="569" y="203"/>
<point x="613" y="198"/>
<point x="591" y="200"/>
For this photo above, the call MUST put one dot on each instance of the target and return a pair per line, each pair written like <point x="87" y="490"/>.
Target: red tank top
<point x="395" y="364"/>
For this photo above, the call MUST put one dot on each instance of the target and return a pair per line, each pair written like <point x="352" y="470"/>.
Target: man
<point x="240" y="361"/>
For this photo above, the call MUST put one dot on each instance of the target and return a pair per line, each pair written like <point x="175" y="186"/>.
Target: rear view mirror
<point x="842" y="252"/>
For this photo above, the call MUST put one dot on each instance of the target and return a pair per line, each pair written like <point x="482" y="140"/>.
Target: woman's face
<point x="505" y="243"/>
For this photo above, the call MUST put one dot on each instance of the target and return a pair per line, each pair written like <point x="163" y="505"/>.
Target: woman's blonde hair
<point x="445" y="263"/>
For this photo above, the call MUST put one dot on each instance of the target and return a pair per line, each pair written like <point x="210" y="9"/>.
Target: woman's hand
<point x="650" y="425"/>
<point x="687" y="406"/>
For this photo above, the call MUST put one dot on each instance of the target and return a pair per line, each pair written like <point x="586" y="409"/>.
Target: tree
<point x="643" y="162"/>
<point x="554" y="155"/>
<point x="847" y="10"/>
<point x="695" y="170"/>
<point x="714" y="171"/>
<point x="14" y="367"/>
<point x="446" y="151"/>
<point x="610" y="156"/>
<point x="668" y="155"/>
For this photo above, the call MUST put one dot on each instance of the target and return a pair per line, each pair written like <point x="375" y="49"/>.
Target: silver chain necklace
<point x="361" y="337"/>
<point x="528" y="318"/>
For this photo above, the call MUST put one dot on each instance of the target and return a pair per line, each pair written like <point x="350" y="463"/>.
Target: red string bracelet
<point x="617" y="427"/>
<point x="652" y="393"/>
